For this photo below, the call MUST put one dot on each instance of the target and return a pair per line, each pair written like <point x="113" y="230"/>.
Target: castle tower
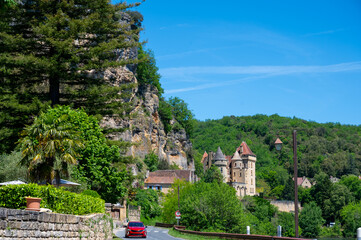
<point x="221" y="162"/>
<point x="237" y="175"/>
<point x="249" y="165"/>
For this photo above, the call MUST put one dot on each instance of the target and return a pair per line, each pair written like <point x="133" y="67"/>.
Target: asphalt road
<point x="154" y="233"/>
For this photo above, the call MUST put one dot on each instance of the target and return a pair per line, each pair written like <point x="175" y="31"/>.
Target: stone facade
<point x="22" y="224"/>
<point x="239" y="170"/>
<point x="285" y="206"/>
<point x="143" y="126"/>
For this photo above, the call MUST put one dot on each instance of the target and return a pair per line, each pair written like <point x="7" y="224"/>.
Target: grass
<point x="175" y="233"/>
<point x="150" y="222"/>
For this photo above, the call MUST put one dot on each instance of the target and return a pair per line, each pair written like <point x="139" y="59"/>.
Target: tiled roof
<point x="300" y="181"/>
<point x="246" y="150"/>
<point x="228" y="158"/>
<point x="205" y="155"/>
<point x="168" y="176"/>
<point x="219" y="155"/>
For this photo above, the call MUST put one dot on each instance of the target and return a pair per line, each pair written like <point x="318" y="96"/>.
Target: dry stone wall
<point x="22" y="224"/>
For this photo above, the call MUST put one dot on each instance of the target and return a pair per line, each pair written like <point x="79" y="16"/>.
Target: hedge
<point x="56" y="199"/>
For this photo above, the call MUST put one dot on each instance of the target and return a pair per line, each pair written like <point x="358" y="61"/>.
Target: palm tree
<point x="48" y="147"/>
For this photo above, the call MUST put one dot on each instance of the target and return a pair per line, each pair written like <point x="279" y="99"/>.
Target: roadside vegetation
<point x="52" y="100"/>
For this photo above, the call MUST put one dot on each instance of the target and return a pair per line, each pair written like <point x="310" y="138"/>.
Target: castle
<point x="239" y="170"/>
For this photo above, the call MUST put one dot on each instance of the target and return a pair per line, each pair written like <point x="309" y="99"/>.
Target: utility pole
<point x="295" y="177"/>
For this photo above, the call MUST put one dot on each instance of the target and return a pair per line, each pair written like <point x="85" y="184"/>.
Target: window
<point x="234" y="173"/>
<point x="251" y="180"/>
<point x="235" y="164"/>
<point x="221" y="170"/>
<point x="251" y="173"/>
<point x="240" y="174"/>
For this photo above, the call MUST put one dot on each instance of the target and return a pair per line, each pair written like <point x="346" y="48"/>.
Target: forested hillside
<point x="331" y="147"/>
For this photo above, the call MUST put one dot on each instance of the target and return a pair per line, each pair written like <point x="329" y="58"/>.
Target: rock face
<point x="143" y="126"/>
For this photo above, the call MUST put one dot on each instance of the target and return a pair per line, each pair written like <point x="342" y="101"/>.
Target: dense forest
<point x="331" y="148"/>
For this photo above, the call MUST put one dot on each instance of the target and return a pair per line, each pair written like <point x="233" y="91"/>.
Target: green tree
<point x="49" y="146"/>
<point x="205" y="206"/>
<point x="353" y="183"/>
<point x="340" y="196"/>
<point x="165" y="113"/>
<point x="57" y="51"/>
<point x="213" y="175"/>
<point x="311" y="220"/>
<point x="100" y="166"/>
<point x="321" y="190"/>
<point x="287" y="221"/>
<point x="182" y="114"/>
<point x="152" y="161"/>
<point x="149" y="201"/>
<point x="351" y="219"/>
<point x="10" y="169"/>
<point x="147" y="71"/>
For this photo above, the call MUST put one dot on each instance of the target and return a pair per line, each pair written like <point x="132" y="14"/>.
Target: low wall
<point x="285" y="206"/>
<point x="21" y="224"/>
<point x="234" y="235"/>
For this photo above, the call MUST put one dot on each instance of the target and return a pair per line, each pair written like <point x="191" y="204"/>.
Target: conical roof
<point x="236" y="156"/>
<point x="219" y="155"/>
<point x="245" y="150"/>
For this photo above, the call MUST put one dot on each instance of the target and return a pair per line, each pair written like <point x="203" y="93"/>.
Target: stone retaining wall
<point x="22" y="224"/>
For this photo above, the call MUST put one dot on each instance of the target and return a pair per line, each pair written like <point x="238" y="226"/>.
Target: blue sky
<point x="293" y="58"/>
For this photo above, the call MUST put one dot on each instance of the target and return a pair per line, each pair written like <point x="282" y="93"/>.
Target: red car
<point x="135" y="229"/>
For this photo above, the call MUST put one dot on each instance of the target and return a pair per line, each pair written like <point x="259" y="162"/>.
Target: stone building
<point x="163" y="179"/>
<point x="239" y="170"/>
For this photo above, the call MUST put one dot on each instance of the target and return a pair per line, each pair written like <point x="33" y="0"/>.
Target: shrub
<point x="56" y="199"/>
<point x="91" y="193"/>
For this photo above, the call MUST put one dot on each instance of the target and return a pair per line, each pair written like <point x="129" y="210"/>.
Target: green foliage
<point x="165" y="113"/>
<point x="340" y="196"/>
<point x="204" y="206"/>
<point x="331" y="147"/>
<point x="321" y="190"/>
<point x="148" y="199"/>
<point x="182" y="114"/>
<point x="351" y="219"/>
<point x="96" y="159"/>
<point x="164" y="165"/>
<point x="10" y="169"/>
<point x="331" y="232"/>
<point x="311" y="220"/>
<point x="56" y="199"/>
<point x="353" y="183"/>
<point x="152" y="161"/>
<point x="147" y="71"/>
<point x="61" y="58"/>
<point x="49" y="146"/>
<point x="91" y="193"/>
<point x="213" y="175"/>
<point x="304" y="195"/>
<point x="287" y="221"/>
<point x="4" y="4"/>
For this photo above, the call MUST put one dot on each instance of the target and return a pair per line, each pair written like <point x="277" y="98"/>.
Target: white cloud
<point x="247" y="73"/>
<point x="277" y="70"/>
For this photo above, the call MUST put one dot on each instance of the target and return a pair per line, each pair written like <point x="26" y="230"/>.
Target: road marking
<point x="156" y="231"/>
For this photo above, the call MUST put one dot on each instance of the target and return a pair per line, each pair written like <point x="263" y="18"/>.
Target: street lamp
<point x="278" y="145"/>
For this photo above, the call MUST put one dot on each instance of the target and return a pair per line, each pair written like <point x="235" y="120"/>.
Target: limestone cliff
<point x="143" y="126"/>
